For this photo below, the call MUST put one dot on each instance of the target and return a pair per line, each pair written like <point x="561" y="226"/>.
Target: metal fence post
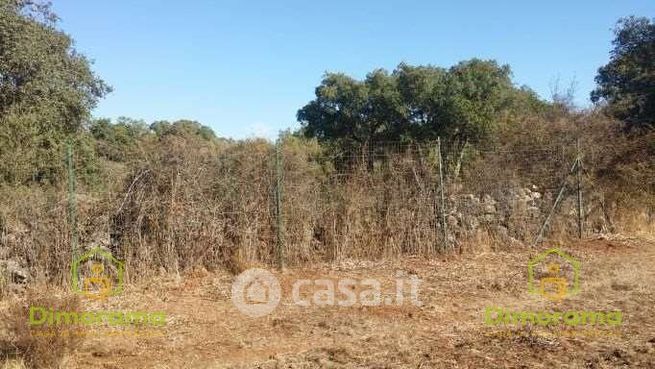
<point x="279" y="243"/>
<point x="442" y="196"/>
<point x="579" y="180"/>
<point x="72" y="204"/>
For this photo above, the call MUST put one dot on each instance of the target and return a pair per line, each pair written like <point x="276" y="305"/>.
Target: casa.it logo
<point x="554" y="275"/>
<point x="96" y="274"/>
<point x="256" y="292"/>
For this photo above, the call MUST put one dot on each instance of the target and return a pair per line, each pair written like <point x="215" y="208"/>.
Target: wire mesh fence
<point x="174" y="208"/>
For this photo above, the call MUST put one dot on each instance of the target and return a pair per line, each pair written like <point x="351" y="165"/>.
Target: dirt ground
<point x="205" y="330"/>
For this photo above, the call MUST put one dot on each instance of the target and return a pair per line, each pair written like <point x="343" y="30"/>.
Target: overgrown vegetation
<point x="362" y="171"/>
<point x="627" y="83"/>
<point x="359" y="180"/>
<point x="34" y="349"/>
<point x="47" y="90"/>
<point x="470" y="101"/>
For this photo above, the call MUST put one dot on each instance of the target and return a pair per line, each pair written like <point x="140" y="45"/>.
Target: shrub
<point x="36" y="351"/>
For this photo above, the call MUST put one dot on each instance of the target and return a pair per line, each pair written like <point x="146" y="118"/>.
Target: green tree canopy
<point x="47" y="90"/>
<point x="122" y="139"/>
<point x="118" y="141"/>
<point x="627" y="83"/>
<point x="415" y="103"/>
<point x="183" y="127"/>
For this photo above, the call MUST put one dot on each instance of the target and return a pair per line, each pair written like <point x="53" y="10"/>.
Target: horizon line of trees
<point x="48" y="90"/>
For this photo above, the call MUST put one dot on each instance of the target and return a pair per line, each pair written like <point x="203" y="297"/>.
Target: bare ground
<point x="205" y="330"/>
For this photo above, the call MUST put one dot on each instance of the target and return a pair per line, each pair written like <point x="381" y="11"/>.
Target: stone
<point x="533" y="212"/>
<point x="487" y="199"/>
<point x="471" y="223"/>
<point x="502" y="232"/>
<point x="489" y="208"/>
<point x="14" y="271"/>
<point x="452" y="221"/>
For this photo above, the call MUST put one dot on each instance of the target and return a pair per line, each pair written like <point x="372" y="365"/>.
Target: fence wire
<point x="178" y="208"/>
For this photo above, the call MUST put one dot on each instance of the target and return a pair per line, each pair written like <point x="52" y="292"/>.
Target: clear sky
<point x="245" y="67"/>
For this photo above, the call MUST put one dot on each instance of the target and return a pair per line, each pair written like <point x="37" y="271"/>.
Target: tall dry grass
<point x="182" y="202"/>
<point x="23" y="346"/>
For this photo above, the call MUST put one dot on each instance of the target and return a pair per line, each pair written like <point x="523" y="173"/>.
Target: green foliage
<point x="128" y="138"/>
<point x="464" y="103"/>
<point x="627" y="83"/>
<point x="118" y="141"/>
<point x="47" y="90"/>
<point x="183" y="127"/>
<point x="475" y="94"/>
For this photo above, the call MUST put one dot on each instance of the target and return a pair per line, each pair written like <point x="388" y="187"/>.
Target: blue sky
<point x="245" y="67"/>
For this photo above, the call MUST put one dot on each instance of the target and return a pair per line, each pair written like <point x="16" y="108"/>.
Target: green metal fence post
<point x="579" y="180"/>
<point x="72" y="201"/>
<point x="278" y="206"/>
<point x="442" y="209"/>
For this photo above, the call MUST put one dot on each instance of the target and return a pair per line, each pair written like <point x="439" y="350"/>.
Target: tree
<point x="338" y="112"/>
<point x="464" y="103"/>
<point x="421" y="88"/>
<point x="47" y="90"/>
<point x="183" y="127"/>
<point x="476" y="92"/>
<point x="627" y="83"/>
<point x="121" y="140"/>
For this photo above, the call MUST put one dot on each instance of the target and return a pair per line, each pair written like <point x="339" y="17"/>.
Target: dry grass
<point x="204" y="329"/>
<point x="13" y="364"/>
<point x="182" y="203"/>
<point x="21" y="345"/>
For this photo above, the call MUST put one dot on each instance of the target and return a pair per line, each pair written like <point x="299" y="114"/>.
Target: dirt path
<point x="205" y="330"/>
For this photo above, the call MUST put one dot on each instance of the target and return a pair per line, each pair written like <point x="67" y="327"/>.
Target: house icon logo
<point x="554" y="274"/>
<point x="97" y="274"/>
<point x="256" y="292"/>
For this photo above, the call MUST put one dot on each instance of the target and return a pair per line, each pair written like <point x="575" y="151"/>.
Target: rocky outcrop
<point x="512" y="216"/>
<point x="13" y="272"/>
